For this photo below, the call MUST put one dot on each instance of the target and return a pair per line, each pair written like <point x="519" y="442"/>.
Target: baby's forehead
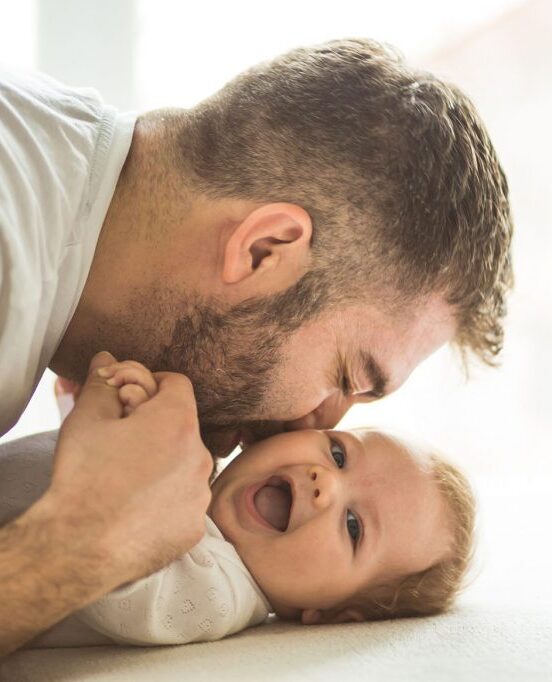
<point x="371" y="437"/>
<point x="374" y="440"/>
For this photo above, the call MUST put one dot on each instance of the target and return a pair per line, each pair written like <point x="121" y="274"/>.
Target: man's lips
<point x="221" y="443"/>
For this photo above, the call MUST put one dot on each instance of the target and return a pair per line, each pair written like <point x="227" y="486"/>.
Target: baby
<point x="315" y="526"/>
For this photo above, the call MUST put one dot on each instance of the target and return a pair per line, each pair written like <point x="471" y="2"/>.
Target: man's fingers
<point x="175" y="399"/>
<point x="97" y="399"/>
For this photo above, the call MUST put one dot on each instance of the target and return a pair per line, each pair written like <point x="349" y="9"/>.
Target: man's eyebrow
<point x="375" y="373"/>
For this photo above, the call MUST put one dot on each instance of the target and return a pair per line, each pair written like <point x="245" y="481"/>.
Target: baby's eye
<point x="338" y="453"/>
<point x="353" y="527"/>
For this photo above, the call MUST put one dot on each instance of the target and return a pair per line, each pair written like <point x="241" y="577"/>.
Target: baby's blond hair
<point x="434" y="589"/>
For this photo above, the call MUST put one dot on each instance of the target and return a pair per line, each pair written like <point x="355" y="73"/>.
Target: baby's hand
<point x="135" y="382"/>
<point x="66" y="392"/>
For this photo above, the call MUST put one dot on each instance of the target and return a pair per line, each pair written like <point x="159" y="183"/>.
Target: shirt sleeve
<point x="205" y="595"/>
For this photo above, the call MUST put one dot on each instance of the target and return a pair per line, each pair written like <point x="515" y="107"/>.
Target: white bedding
<point x="474" y="643"/>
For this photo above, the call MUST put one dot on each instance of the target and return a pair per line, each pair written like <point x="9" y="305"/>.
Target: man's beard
<point x="230" y="359"/>
<point x="231" y="356"/>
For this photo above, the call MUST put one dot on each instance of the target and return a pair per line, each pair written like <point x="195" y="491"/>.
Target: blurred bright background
<point x="498" y="424"/>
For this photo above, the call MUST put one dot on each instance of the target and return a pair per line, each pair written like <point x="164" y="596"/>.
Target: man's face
<point x="317" y="516"/>
<point x="252" y="376"/>
<point x="316" y="373"/>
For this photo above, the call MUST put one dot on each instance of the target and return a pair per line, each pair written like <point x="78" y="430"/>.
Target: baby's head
<point x="347" y="525"/>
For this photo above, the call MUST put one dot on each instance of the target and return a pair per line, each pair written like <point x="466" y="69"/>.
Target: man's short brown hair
<point x="394" y="166"/>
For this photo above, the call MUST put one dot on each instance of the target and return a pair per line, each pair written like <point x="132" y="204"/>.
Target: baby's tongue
<point x="273" y="505"/>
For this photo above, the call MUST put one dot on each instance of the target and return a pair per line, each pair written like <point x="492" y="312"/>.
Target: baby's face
<point x="318" y="515"/>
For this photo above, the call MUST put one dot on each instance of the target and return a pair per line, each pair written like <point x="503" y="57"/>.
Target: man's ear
<point x="345" y="615"/>
<point x="272" y="242"/>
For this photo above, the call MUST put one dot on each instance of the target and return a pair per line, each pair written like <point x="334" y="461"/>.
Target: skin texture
<point x="365" y="511"/>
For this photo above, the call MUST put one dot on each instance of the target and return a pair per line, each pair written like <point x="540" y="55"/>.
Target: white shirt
<point x="206" y="594"/>
<point x="61" y="153"/>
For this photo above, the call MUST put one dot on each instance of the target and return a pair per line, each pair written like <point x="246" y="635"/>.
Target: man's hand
<point x="142" y="479"/>
<point x="128" y="495"/>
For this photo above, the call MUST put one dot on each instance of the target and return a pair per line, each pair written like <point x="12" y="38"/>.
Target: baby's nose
<point x="323" y="486"/>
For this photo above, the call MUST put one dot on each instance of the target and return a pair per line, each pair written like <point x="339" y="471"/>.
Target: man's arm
<point x="48" y="568"/>
<point x="128" y="496"/>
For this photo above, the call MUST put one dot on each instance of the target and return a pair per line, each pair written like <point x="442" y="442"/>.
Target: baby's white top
<point x="206" y="594"/>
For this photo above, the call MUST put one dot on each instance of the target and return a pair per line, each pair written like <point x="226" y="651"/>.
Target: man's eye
<point x="370" y="395"/>
<point x="345" y="384"/>
<point x="338" y="453"/>
<point x="353" y="526"/>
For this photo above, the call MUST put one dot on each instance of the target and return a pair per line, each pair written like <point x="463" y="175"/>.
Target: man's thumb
<point x="101" y="359"/>
<point x="97" y="399"/>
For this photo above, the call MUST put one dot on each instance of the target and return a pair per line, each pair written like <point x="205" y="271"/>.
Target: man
<point x="298" y="242"/>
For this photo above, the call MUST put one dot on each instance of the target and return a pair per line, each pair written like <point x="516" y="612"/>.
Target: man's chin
<point x="221" y="443"/>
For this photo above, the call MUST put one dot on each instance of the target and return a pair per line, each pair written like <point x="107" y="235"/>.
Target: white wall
<point x="90" y="43"/>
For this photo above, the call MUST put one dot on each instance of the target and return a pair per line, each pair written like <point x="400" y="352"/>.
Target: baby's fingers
<point x="131" y="396"/>
<point x="134" y="375"/>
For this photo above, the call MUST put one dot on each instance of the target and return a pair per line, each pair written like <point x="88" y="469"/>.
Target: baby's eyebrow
<point x="369" y="513"/>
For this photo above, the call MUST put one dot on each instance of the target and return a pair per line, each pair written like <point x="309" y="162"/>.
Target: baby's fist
<point x="135" y="382"/>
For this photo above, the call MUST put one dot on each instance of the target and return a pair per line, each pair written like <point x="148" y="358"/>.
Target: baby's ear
<point x="346" y="615"/>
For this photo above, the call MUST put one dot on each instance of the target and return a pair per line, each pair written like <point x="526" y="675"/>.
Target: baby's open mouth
<point x="273" y="502"/>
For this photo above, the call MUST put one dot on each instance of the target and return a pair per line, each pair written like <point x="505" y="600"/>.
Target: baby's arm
<point x="204" y="595"/>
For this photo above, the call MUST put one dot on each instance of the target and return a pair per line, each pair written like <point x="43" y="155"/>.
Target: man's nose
<point x="323" y="487"/>
<point x="325" y="416"/>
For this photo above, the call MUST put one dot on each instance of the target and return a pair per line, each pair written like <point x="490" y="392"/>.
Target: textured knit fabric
<point x="205" y="595"/>
<point x="61" y="154"/>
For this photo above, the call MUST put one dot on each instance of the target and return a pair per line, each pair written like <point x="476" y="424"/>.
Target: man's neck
<point x="127" y="258"/>
<point x="159" y="244"/>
